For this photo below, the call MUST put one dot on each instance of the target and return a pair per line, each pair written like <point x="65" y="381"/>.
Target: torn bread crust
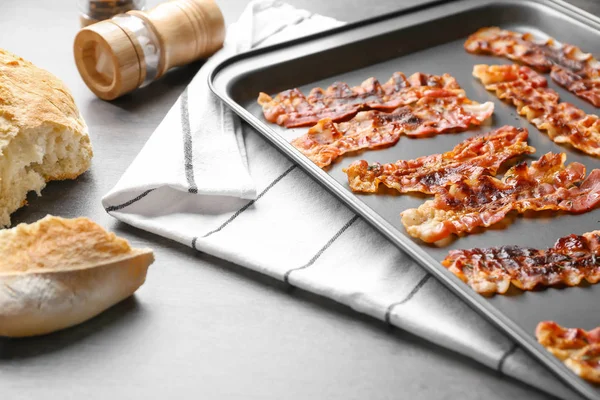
<point x="42" y="302"/>
<point x="57" y="273"/>
<point x="42" y="134"/>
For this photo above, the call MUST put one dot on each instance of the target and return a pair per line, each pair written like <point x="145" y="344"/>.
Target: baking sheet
<point x="431" y="40"/>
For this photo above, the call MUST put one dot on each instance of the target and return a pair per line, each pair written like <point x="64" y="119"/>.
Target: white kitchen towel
<point x="210" y="182"/>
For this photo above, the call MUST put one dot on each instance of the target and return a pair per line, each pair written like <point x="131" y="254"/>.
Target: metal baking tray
<point x="430" y="39"/>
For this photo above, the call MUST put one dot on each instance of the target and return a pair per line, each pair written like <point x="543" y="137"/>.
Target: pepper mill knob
<point x="131" y="50"/>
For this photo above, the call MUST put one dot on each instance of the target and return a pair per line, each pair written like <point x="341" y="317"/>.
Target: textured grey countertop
<point x="201" y="327"/>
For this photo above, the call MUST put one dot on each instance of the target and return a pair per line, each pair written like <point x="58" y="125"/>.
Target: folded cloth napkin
<point x="222" y="189"/>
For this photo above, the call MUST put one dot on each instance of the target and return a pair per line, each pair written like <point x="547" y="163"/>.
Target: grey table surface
<point x="201" y="327"/>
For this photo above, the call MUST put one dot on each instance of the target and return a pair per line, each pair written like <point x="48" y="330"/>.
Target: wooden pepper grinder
<point x="131" y="50"/>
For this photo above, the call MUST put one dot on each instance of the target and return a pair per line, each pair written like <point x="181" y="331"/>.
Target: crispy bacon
<point x="583" y="84"/>
<point x="526" y="90"/>
<point x="499" y="74"/>
<point x="512" y="45"/>
<point x="328" y="140"/>
<point x="475" y="156"/>
<point x="577" y="348"/>
<point x="576" y="71"/>
<point x="483" y="201"/>
<point x="492" y="270"/>
<point x="339" y="102"/>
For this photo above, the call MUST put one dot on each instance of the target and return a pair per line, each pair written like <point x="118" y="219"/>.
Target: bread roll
<point x="57" y="273"/>
<point x="42" y="134"/>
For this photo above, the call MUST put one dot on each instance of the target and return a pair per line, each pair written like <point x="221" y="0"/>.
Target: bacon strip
<point x="577" y="348"/>
<point x="478" y="155"/>
<point x="328" y="140"/>
<point x="572" y="259"/>
<point x="526" y="90"/>
<point x="339" y="102"/>
<point x="483" y="201"/>
<point x="576" y="71"/>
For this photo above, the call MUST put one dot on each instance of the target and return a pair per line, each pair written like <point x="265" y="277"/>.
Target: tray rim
<point x="525" y="340"/>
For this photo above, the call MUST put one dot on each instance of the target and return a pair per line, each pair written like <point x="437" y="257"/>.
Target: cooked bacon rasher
<point x="576" y="71"/>
<point x="483" y="201"/>
<point x="328" y="140"/>
<point x="478" y="155"/>
<point x="577" y="348"/>
<point x="526" y="90"/>
<point x="339" y="102"/>
<point x="491" y="270"/>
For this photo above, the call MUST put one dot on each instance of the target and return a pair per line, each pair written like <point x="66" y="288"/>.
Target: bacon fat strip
<point x="571" y="68"/>
<point x="328" y="140"/>
<point x="339" y="102"/>
<point x="512" y="45"/>
<point x="577" y="348"/>
<point x="483" y="201"/>
<point x="474" y="156"/>
<point x="525" y="89"/>
<point x="491" y="270"/>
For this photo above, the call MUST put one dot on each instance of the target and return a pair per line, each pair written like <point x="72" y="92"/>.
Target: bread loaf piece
<point x="42" y="134"/>
<point x="57" y="273"/>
